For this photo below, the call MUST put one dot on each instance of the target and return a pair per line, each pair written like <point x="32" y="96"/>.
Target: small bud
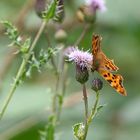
<point x="80" y="16"/>
<point x="97" y="84"/>
<point x="61" y="35"/>
<point x="40" y="6"/>
<point x="90" y="14"/>
<point x="82" y="74"/>
<point x="86" y="13"/>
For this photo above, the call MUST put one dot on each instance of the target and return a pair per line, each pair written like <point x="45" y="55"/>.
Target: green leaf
<point x="11" y="30"/>
<point x="51" y="11"/>
<point x="79" y="130"/>
<point x="100" y="107"/>
<point x="60" y="99"/>
<point x="25" y="47"/>
<point x="48" y="133"/>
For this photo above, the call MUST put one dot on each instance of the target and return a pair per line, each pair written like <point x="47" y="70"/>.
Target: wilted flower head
<point x="96" y="5"/>
<point x="79" y="57"/>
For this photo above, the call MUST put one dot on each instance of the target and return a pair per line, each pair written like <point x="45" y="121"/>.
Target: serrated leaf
<point x="11" y="30"/>
<point x="51" y="11"/>
<point x="24" y="48"/>
<point x="79" y="130"/>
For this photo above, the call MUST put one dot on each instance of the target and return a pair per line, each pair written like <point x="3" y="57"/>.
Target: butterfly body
<point x="104" y="66"/>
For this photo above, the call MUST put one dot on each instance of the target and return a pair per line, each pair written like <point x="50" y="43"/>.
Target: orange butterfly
<point x="105" y="66"/>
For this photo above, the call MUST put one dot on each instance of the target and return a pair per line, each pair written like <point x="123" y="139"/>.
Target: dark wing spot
<point x="114" y="75"/>
<point x="120" y="82"/>
<point x="105" y="75"/>
<point x="110" y="81"/>
<point x="121" y="86"/>
<point x="108" y="74"/>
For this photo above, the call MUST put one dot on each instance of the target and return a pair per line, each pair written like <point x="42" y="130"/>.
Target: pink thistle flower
<point x="96" y="5"/>
<point x="79" y="57"/>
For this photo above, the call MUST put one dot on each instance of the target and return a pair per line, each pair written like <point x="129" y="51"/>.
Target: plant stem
<point x="94" y="109"/>
<point x="52" y="58"/>
<point x="21" y="70"/>
<point x="64" y="82"/>
<point x="59" y="70"/>
<point x="87" y="26"/>
<point x="85" y="98"/>
<point x="93" y="112"/>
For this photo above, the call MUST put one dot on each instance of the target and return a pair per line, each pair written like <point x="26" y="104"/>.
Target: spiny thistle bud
<point x="60" y="11"/>
<point x="40" y="6"/>
<point x="82" y="74"/>
<point x="61" y="36"/>
<point x="97" y="84"/>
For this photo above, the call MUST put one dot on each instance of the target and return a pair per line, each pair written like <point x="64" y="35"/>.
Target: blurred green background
<point x="28" y="110"/>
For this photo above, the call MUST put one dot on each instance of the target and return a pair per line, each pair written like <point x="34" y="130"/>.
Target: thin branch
<point x="94" y="109"/>
<point x="87" y="26"/>
<point x="52" y="58"/>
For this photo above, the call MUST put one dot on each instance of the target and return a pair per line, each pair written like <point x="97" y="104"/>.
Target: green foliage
<point x="38" y="63"/>
<point x="60" y="99"/>
<point x="13" y="34"/>
<point x="48" y="133"/>
<point x="25" y="46"/>
<point x="100" y="107"/>
<point x="52" y="11"/>
<point x="79" y="131"/>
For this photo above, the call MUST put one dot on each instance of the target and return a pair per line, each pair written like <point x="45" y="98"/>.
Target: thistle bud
<point x="90" y="14"/>
<point x="61" y="35"/>
<point x="60" y="14"/>
<point x="80" y="15"/>
<point x="97" y="84"/>
<point x="40" y="6"/>
<point x="82" y="74"/>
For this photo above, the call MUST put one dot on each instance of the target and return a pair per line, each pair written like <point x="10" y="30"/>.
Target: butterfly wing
<point x="96" y="40"/>
<point x="104" y="66"/>
<point x="115" y="80"/>
<point x="99" y="58"/>
<point x="107" y="64"/>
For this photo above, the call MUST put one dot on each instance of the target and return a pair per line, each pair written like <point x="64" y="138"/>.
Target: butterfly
<point x="105" y="67"/>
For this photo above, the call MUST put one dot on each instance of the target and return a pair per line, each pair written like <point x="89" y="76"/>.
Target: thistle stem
<point x="93" y="112"/>
<point x="21" y="70"/>
<point x="85" y="98"/>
